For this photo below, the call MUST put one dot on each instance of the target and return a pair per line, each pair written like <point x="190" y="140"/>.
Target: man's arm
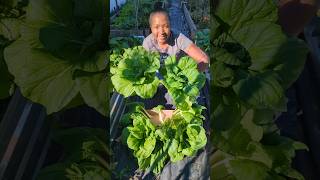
<point x="194" y="52"/>
<point x="197" y="54"/>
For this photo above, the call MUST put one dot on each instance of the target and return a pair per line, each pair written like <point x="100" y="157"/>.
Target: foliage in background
<point x="85" y="156"/>
<point x="128" y="18"/>
<point x="61" y="54"/>
<point x="252" y="64"/>
<point x="199" y="11"/>
<point x="117" y="44"/>
<point x="12" y="13"/>
<point x="202" y="40"/>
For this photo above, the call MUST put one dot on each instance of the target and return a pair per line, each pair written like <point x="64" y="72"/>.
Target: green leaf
<point x="183" y="81"/>
<point x="133" y="142"/>
<point x="147" y="148"/>
<point x="255" y="131"/>
<point x="173" y="153"/>
<point x="222" y="55"/>
<point x="10" y="28"/>
<point x="223" y="76"/>
<point x="136" y="73"/>
<point x="56" y="171"/>
<point x="237" y="13"/>
<point x="290" y="60"/>
<point x="261" y="91"/>
<point x="251" y="170"/>
<point x="226" y="116"/>
<point x="52" y="46"/>
<point x="39" y="74"/>
<point x="93" y="90"/>
<point x="147" y="90"/>
<point x="197" y="136"/>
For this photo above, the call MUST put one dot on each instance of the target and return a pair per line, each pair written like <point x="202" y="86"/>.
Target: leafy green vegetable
<point x="183" y="81"/>
<point x="10" y="21"/>
<point x="250" y="73"/>
<point x="181" y="135"/>
<point x="58" y="39"/>
<point x="117" y="45"/>
<point x="136" y="73"/>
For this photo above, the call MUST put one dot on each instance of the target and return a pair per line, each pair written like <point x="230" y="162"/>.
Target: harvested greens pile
<point x="182" y="134"/>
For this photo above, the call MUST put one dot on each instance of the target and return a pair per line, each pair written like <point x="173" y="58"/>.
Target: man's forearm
<point x="294" y="15"/>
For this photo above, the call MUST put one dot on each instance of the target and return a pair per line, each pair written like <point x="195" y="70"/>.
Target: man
<point x="164" y="41"/>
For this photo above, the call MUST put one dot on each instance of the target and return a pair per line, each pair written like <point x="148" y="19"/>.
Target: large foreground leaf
<point x="58" y="38"/>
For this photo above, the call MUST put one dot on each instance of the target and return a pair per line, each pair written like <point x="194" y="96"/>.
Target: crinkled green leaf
<point x="183" y="81"/>
<point x="136" y="73"/>
<point x="197" y="136"/>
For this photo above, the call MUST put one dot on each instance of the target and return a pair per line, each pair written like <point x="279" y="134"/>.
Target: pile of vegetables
<point x="153" y="145"/>
<point x="252" y="65"/>
<point x="176" y="137"/>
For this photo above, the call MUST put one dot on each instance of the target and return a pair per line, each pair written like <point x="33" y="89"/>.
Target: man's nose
<point x="161" y="30"/>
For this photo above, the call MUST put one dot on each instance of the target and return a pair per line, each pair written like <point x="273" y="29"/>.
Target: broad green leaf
<point x="52" y="46"/>
<point x="147" y="90"/>
<point x="260" y="91"/>
<point x="146" y="149"/>
<point x="223" y="76"/>
<point x="93" y="90"/>
<point x="238" y="12"/>
<point x="197" y="136"/>
<point x="222" y="55"/>
<point x="255" y="131"/>
<point x="235" y="140"/>
<point x="251" y="170"/>
<point x="226" y="116"/>
<point x="173" y="153"/>
<point x="159" y="158"/>
<point x="122" y="85"/>
<point x="263" y="44"/>
<point x="290" y="60"/>
<point x="39" y="74"/>
<point x="10" y="28"/>
<point x="133" y="142"/>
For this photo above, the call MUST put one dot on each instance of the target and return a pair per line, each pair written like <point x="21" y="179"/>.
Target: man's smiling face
<point x="160" y="27"/>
